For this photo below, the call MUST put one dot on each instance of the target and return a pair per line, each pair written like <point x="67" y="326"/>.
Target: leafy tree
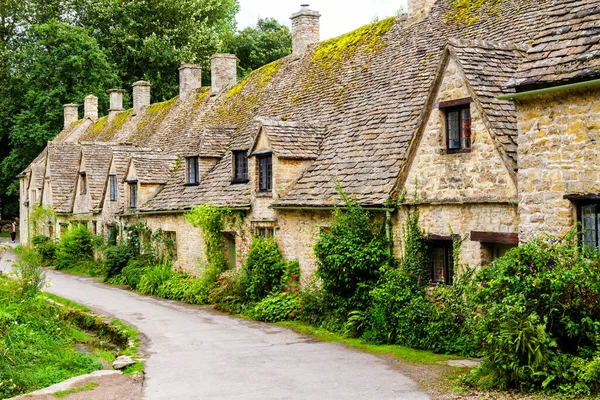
<point x="260" y="45"/>
<point x="58" y="64"/>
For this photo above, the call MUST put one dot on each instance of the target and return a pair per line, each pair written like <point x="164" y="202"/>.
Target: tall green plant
<point x="211" y="220"/>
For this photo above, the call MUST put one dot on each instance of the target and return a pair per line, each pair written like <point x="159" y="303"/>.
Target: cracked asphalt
<point x="196" y="353"/>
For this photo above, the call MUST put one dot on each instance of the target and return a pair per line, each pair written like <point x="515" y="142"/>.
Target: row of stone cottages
<point x="491" y="124"/>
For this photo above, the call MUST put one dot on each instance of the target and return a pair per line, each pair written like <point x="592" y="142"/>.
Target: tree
<point x="149" y="39"/>
<point x="58" y="64"/>
<point x="260" y="45"/>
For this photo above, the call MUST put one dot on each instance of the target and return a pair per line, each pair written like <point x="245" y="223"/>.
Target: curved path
<point x="194" y="353"/>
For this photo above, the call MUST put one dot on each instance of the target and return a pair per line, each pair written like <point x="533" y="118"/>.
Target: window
<point x="265" y="232"/>
<point x="590" y="222"/>
<point x="458" y="128"/>
<point x="441" y="262"/>
<point x="83" y="187"/>
<point x="133" y="194"/>
<point x="265" y="173"/>
<point x="114" y="189"/>
<point x="240" y="166"/>
<point x="192" y="171"/>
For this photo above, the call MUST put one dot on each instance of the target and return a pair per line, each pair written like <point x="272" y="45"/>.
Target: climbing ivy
<point x="39" y="217"/>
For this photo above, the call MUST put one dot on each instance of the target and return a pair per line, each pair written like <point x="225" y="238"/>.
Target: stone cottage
<point x="486" y="117"/>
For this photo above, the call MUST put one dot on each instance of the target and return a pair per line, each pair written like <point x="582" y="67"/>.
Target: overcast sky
<point x="337" y="16"/>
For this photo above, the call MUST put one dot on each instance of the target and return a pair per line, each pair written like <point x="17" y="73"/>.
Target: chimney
<point x="223" y="71"/>
<point x="116" y="102"/>
<point x="190" y="79"/>
<point x="141" y="95"/>
<point x="305" y="29"/>
<point x="90" y="107"/>
<point x="419" y="9"/>
<point x="71" y="114"/>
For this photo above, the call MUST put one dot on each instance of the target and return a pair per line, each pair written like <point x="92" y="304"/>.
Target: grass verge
<point x="64" y="393"/>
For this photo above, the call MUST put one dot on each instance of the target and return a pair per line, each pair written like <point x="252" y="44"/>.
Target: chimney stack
<point x="223" y="71"/>
<point x="141" y="95"/>
<point x="90" y="107"/>
<point x="305" y="29"/>
<point x="116" y="102"/>
<point x="190" y="79"/>
<point x="71" y="114"/>
<point x="419" y="9"/>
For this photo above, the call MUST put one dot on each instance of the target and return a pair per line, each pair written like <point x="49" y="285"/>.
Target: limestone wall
<point x="477" y="176"/>
<point x="559" y="154"/>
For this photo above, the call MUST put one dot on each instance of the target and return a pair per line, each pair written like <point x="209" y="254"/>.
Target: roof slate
<point x="294" y="140"/>
<point x="566" y="49"/>
<point x="63" y="165"/>
<point x="153" y="168"/>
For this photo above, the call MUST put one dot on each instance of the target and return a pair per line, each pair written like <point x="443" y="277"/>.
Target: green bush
<point x="29" y="272"/>
<point x="264" y="268"/>
<point x="134" y="271"/>
<point x="183" y="287"/>
<point x="350" y="255"/>
<point x="45" y="247"/>
<point x="276" y="307"/>
<point x="76" y="248"/>
<point x="153" y="278"/>
<point x="229" y="293"/>
<point x="539" y="321"/>
<point x="115" y="259"/>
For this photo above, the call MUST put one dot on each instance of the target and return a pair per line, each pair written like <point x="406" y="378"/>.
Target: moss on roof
<point x="98" y="126"/>
<point x="467" y="11"/>
<point x="153" y="116"/>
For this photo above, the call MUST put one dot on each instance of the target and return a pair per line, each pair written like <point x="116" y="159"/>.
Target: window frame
<point x="579" y="205"/>
<point x="267" y="179"/>
<point x="133" y="194"/>
<point x="240" y="175"/>
<point x="265" y="231"/>
<point x="82" y="183"/>
<point x="113" y="186"/>
<point x="188" y="170"/>
<point x="449" y="263"/>
<point x="458" y="105"/>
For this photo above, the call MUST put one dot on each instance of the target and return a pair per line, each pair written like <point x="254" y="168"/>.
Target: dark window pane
<point x="453" y="130"/>
<point x="465" y="118"/>
<point x="265" y="173"/>
<point x="113" y="187"/>
<point x="437" y="263"/>
<point x="589" y="226"/>
<point x="192" y="170"/>
<point x="241" y="166"/>
<point x="133" y="195"/>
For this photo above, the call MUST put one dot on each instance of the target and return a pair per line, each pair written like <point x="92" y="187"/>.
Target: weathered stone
<point x="122" y="362"/>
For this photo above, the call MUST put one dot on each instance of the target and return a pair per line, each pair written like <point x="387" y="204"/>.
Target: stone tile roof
<point x="488" y="66"/>
<point x="153" y="168"/>
<point x="96" y="157"/>
<point x="567" y="48"/>
<point x="121" y="156"/>
<point x="214" y="141"/>
<point x="368" y="88"/>
<point x="293" y="140"/>
<point x="63" y="166"/>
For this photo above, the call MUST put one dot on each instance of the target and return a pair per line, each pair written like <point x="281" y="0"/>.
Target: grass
<point x="402" y="353"/>
<point x="66" y="302"/>
<point x="88" y="386"/>
<point x="6" y="234"/>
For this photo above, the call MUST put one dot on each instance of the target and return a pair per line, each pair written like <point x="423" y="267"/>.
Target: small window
<point x="240" y="166"/>
<point x="590" y="221"/>
<point x="265" y="173"/>
<point x="265" y="232"/>
<point x="441" y="264"/>
<point x="83" y="181"/>
<point x="133" y="194"/>
<point x="114" y="189"/>
<point x="458" y="128"/>
<point x="192" y="171"/>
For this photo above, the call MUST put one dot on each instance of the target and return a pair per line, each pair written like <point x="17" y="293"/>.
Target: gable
<point x="437" y="176"/>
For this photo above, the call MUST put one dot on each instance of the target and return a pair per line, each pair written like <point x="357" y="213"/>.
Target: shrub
<point x="29" y="272"/>
<point x="276" y="307"/>
<point x="115" y="259"/>
<point x="76" y="246"/>
<point x="154" y="277"/>
<point x="134" y="271"/>
<point x="264" y="268"/>
<point x="540" y="316"/>
<point x="183" y="287"/>
<point x="350" y="255"/>
<point x="229" y="293"/>
<point x="45" y="248"/>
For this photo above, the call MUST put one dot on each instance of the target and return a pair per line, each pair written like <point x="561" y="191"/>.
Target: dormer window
<point x="240" y="166"/>
<point x="133" y="194"/>
<point x="265" y="173"/>
<point x="191" y="172"/>
<point x="83" y="183"/>
<point x="114" y="189"/>
<point x="458" y="125"/>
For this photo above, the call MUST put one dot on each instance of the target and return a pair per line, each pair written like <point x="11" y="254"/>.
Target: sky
<point x="337" y="16"/>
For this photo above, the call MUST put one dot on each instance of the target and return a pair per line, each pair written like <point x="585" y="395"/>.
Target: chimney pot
<point x="141" y="95"/>
<point x="90" y="107"/>
<point x="419" y="8"/>
<point x="223" y="71"/>
<point x="305" y="29"/>
<point x="116" y="102"/>
<point x="190" y="79"/>
<point x="70" y="114"/>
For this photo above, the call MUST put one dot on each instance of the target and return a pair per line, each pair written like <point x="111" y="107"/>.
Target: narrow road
<point x="194" y="353"/>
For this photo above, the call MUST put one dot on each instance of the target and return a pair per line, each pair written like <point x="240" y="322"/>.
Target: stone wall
<point x="559" y="153"/>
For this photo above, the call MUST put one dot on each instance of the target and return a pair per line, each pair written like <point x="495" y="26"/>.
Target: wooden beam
<point x="495" y="237"/>
<point x="582" y="197"/>
<point x="454" y="103"/>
